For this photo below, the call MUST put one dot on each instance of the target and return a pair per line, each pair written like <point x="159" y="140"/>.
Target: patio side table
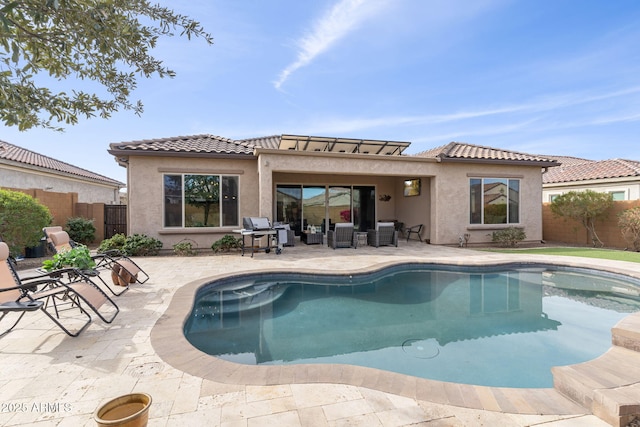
<point x="312" y="238"/>
<point x="359" y="239"/>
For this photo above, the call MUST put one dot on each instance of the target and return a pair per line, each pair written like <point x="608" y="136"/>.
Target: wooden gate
<point x="115" y="220"/>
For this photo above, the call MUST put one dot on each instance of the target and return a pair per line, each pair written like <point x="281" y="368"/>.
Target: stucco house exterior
<point x="24" y="169"/>
<point x="201" y="186"/>
<point x="620" y="177"/>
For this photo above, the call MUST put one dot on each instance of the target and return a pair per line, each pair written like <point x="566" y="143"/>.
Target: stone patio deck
<point x="50" y="379"/>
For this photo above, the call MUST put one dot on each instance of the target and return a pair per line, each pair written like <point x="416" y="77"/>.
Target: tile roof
<point x="603" y="169"/>
<point x="271" y="142"/>
<point x="205" y="144"/>
<point x="216" y="145"/>
<point x="568" y="160"/>
<point x="459" y="151"/>
<point x="13" y="153"/>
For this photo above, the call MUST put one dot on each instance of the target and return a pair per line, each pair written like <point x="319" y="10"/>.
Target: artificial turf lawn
<point x="616" y="255"/>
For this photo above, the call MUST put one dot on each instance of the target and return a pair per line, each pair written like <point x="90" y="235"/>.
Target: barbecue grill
<point x="258" y="227"/>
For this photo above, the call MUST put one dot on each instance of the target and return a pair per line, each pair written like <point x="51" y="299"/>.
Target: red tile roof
<point x="216" y="145"/>
<point x="459" y="151"/>
<point x="614" y="168"/>
<point x="186" y="144"/>
<point x="13" y="153"/>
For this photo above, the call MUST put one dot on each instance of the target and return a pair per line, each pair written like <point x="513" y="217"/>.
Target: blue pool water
<point x="503" y="326"/>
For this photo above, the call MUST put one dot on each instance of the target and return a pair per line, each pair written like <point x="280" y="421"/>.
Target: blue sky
<point x="557" y="77"/>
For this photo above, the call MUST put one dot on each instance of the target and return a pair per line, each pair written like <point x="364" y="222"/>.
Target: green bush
<point x="184" y="248"/>
<point x="141" y="245"/>
<point x="22" y="219"/>
<point x="134" y="245"/>
<point x="226" y="243"/>
<point x="81" y="230"/>
<point x="78" y="257"/>
<point x="508" y="237"/>
<point x="629" y="223"/>
<point x="116" y="242"/>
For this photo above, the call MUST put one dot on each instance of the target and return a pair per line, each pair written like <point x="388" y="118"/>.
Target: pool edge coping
<point x="169" y="342"/>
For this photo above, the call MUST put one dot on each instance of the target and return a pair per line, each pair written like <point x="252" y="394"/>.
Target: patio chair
<point x="341" y="236"/>
<point x="123" y="269"/>
<point x="415" y="229"/>
<point x="51" y="295"/>
<point x="47" y="235"/>
<point x="385" y="234"/>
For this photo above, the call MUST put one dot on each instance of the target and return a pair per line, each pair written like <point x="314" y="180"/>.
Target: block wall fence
<point x="561" y="230"/>
<point x="65" y="205"/>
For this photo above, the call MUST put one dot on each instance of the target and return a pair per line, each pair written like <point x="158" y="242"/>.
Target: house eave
<point x="506" y="162"/>
<point x="122" y="156"/>
<point x="360" y="156"/>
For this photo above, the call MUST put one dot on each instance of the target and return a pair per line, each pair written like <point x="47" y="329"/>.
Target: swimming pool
<point x="496" y="326"/>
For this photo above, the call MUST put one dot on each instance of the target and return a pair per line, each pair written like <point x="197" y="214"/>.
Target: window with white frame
<point x="494" y="201"/>
<point x="200" y="200"/>
<point x="618" y="195"/>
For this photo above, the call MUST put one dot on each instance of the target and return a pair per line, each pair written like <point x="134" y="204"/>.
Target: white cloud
<point x="343" y="18"/>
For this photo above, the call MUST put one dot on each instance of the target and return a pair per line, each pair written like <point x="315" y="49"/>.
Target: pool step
<point x="627" y="333"/>
<point x="609" y="386"/>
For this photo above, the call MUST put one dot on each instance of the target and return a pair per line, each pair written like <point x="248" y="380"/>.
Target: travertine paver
<point x="50" y="379"/>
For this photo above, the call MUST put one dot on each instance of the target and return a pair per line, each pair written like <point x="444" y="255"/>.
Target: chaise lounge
<point x="54" y="297"/>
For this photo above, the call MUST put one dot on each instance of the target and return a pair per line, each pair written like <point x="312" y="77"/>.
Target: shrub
<point x="508" y="237"/>
<point x="116" y="242"/>
<point x="227" y="243"/>
<point x="134" y="245"/>
<point x="81" y="230"/>
<point x="184" y="248"/>
<point x="22" y="219"/>
<point x="78" y="257"/>
<point x="629" y="223"/>
<point x="141" y="245"/>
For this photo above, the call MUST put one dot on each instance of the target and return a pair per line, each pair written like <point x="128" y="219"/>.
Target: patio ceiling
<point x="342" y="145"/>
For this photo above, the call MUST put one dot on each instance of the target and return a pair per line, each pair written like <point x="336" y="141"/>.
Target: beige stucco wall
<point x="88" y="192"/>
<point x="452" y="193"/>
<point x="145" y="213"/>
<point x="442" y="207"/>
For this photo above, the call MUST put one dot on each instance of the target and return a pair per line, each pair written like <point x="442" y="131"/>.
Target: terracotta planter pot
<point x="130" y="410"/>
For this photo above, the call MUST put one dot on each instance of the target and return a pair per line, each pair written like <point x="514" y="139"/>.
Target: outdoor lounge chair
<point x="385" y="234"/>
<point x="47" y="235"/>
<point x="415" y="229"/>
<point x="123" y="269"/>
<point x="341" y="236"/>
<point x="54" y="297"/>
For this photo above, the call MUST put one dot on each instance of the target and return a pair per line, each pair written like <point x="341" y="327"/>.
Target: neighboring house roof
<point x="10" y="153"/>
<point x="461" y="152"/>
<point x="590" y="170"/>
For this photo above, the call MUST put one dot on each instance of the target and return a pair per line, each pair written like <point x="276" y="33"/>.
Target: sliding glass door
<point x="324" y="206"/>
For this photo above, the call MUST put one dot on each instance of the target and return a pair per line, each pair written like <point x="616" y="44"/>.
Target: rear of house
<point x="200" y="187"/>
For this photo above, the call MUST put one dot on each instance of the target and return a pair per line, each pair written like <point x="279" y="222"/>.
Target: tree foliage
<point x="585" y="207"/>
<point x="202" y="191"/>
<point x="104" y="41"/>
<point x="22" y="219"/>
<point x="629" y="223"/>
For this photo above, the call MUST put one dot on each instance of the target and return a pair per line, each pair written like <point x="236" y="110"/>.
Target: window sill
<point x="198" y="230"/>
<point x="492" y="226"/>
